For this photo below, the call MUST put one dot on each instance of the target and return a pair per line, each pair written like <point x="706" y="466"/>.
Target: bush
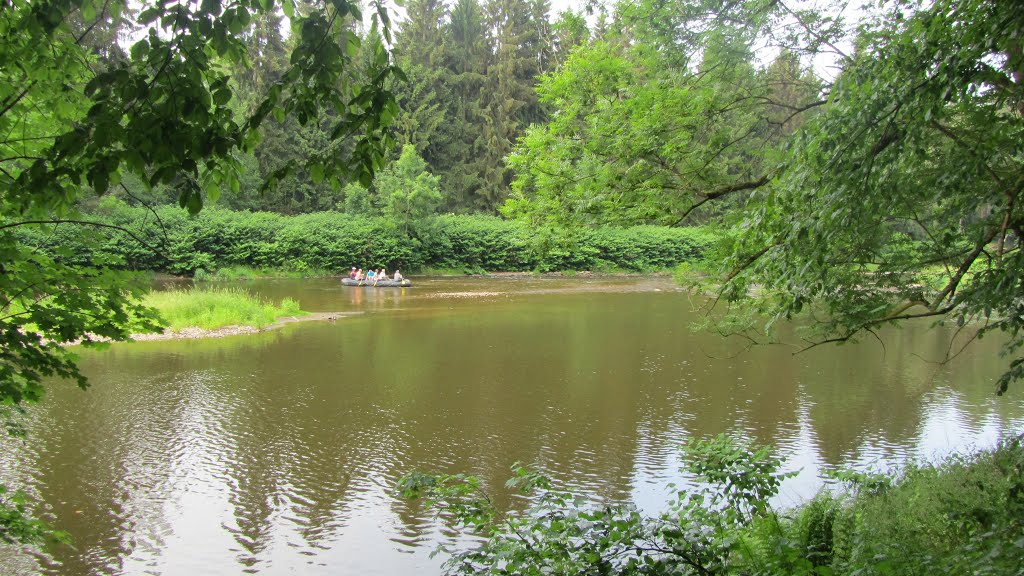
<point x="167" y="239"/>
<point x="479" y="242"/>
<point x="965" y="516"/>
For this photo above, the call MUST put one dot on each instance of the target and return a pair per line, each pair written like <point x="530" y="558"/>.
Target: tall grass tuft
<point x="218" y="307"/>
<point x="239" y="272"/>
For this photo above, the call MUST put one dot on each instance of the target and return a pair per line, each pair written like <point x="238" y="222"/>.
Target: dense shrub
<point x="167" y="239"/>
<point x="480" y="243"/>
<point x="965" y="516"/>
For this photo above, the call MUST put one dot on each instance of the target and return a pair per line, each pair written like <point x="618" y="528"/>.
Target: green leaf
<point x="149" y="15"/>
<point x="222" y="96"/>
<point x="211" y="7"/>
<point x="194" y="203"/>
<point x="88" y="11"/>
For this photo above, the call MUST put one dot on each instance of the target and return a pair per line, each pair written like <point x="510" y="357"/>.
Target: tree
<point x="419" y="50"/>
<point x="409" y="193"/>
<point x="466" y="52"/>
<point x="920" y="139"/>
<point x="518" y="33"/>
<point x="644" y="135"/>
<point x="568" y="31"/>
<point x="358" y="201"/>
<point x="166" y="115"/>
<point x="889" y="194"/>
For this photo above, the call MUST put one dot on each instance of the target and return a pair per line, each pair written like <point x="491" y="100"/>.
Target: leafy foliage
<point x="847" y="195"/>
<point x="563" y="534"/>
<point x="920" y="139"/>
<point x="959" y="517"/>
<point x="333" y="242"/>
<point x="18" y="527"/>
<point x="411" y="195"/>
<point x="648" y="131"/>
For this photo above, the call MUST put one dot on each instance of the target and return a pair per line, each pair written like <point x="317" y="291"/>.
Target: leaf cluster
<point x="912" y="167"/>
<point x="561" y="533"/>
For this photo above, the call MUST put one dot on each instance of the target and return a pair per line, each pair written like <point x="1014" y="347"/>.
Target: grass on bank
<point x="233" y="273"/>
<point x="218" y="307"/>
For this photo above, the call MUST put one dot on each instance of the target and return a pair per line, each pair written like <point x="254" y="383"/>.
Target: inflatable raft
<point x="377" y="284"/>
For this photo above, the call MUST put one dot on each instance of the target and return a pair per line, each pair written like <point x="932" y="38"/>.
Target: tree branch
<point x="964" y="267"/>
<point x="749" y="185"/>
<point x="960" y="142"/>
<point x="83" y="223"/>
<point x="812" y="33"/>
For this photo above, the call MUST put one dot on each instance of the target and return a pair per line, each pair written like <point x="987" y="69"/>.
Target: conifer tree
<point x="466" y="54"/>
<point x="511" y="102"/>
<point x="419" y="51"/>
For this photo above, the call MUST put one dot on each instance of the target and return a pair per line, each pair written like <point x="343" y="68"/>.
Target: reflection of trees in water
<point x="98" y="458"/>
<point x="869" y="397"/>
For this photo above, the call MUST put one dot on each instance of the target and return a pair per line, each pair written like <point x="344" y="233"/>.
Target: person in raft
<point x="371" y="275"/>
<point x="382" y="274"/>
<point x="359" y="274"/>
<point x="398" y="276"/>
<point x="353" y="273"/>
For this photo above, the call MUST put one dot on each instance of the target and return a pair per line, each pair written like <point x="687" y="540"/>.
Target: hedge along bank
<point x="166" y="239"/>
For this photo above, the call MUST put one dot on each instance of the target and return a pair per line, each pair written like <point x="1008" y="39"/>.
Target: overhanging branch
<point x="724" y="191"/>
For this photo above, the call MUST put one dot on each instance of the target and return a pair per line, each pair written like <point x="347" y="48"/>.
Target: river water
<point x="277" y="453"/>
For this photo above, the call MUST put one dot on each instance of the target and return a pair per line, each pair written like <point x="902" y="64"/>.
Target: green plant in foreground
<point x="16" y="526"/>
<point x="965" y="516"/>
<point x="562" y="533"/>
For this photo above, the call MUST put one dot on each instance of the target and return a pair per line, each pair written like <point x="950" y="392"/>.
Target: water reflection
<point x="277" y="452"/>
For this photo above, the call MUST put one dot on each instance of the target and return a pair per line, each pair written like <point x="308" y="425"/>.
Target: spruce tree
<point x="423" y="99"/>
<point x="466" y="56"/>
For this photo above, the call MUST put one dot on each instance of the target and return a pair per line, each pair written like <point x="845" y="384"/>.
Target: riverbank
<point x="238" y="273"/>
<point x="194" y="333"/>
<point x="223" y="311"/>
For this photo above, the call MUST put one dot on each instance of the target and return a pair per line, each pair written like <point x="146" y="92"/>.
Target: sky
<point x="824" y="64"/>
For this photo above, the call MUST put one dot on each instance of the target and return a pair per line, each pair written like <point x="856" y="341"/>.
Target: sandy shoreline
<point x="196" y="333"/>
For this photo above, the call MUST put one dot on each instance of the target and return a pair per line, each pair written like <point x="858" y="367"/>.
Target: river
<point x="277" y="453"/>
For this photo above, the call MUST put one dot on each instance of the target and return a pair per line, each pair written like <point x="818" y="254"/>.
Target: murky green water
<point x="278" y="453"/>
